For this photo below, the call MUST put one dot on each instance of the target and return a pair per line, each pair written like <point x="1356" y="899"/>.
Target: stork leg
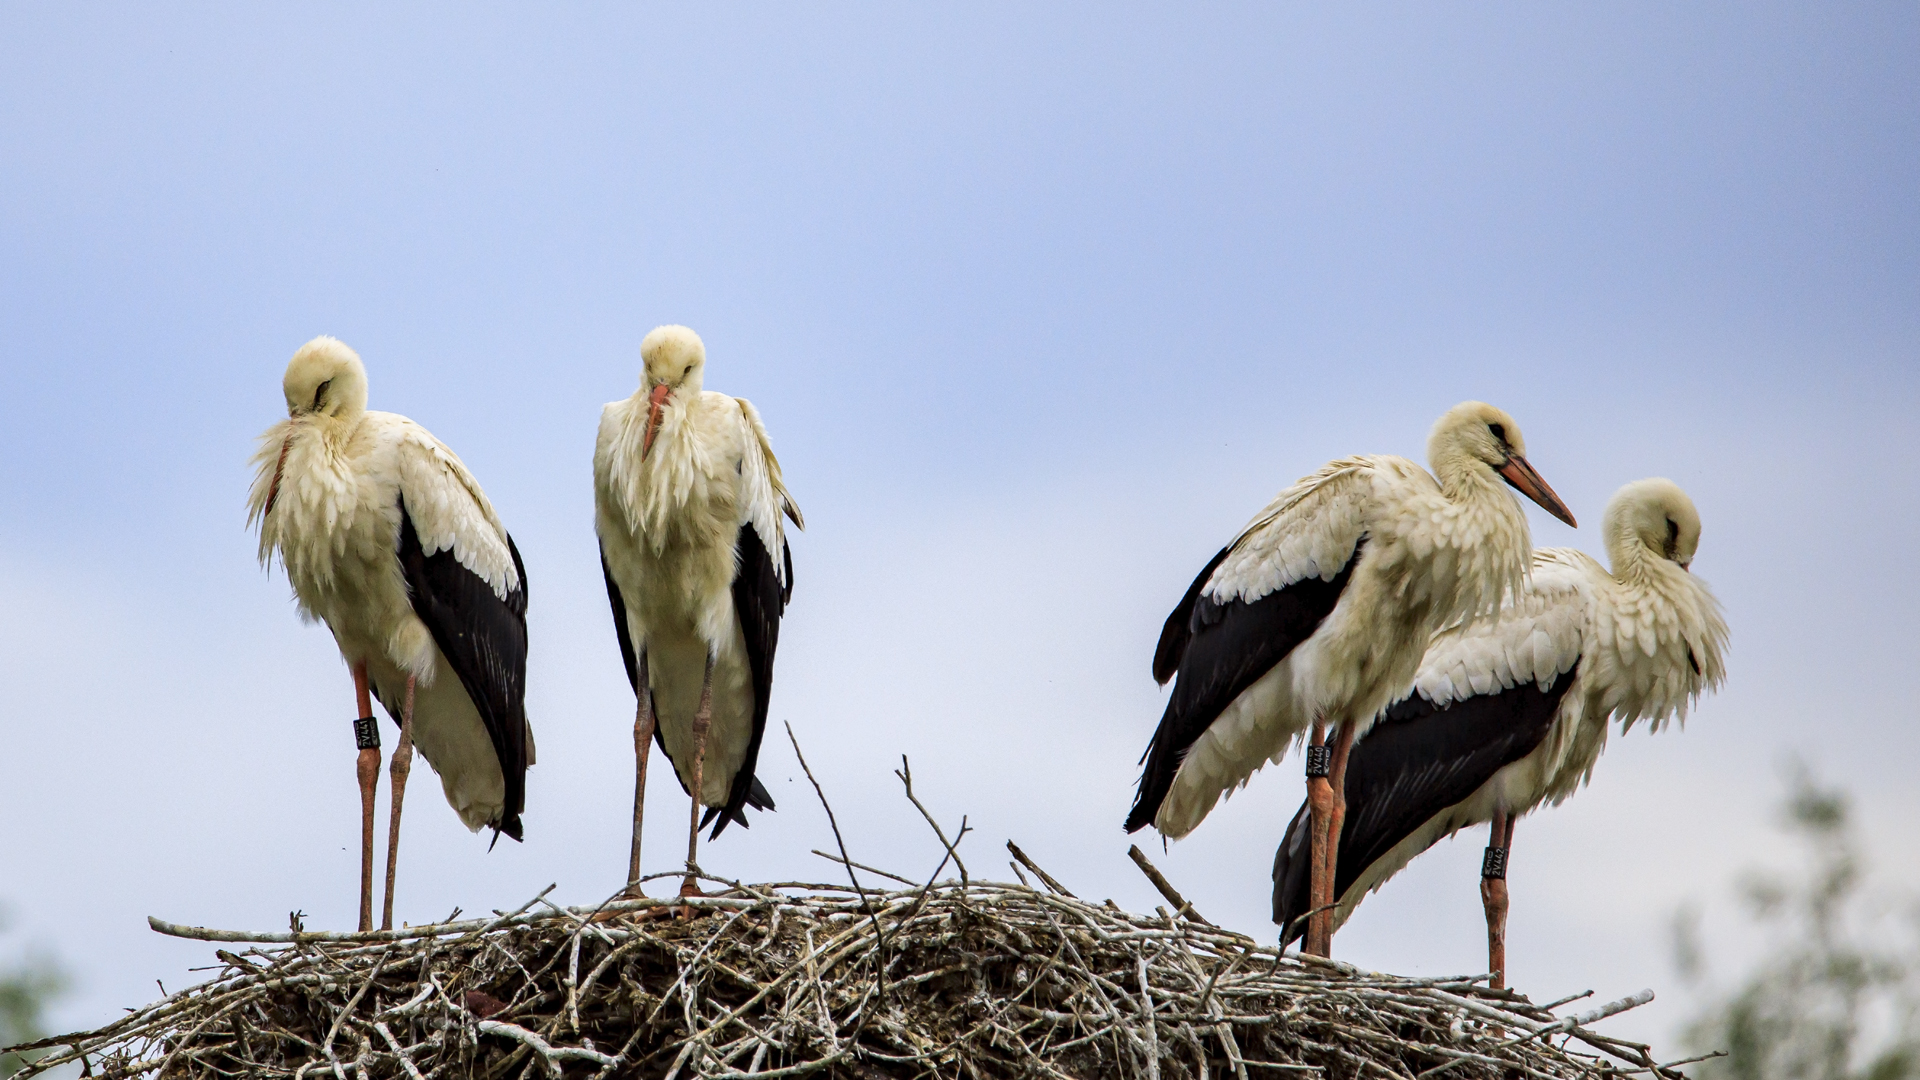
<point x="1320" y="816"/>
<point x="1493" y="894"/>
<point x="397" y="767"/>
<point x="1336" y="823"/>
<point x="643" y="722"/>
<point x="367" y="768"/>
<point x="1327" y="795"/>
<point x="702" y="720"/>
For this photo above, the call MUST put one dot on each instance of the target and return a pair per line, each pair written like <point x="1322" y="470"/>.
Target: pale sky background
<point x="1039" y="307"/>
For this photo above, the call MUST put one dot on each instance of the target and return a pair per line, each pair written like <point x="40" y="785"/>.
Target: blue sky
<point x="1039" y="307"/>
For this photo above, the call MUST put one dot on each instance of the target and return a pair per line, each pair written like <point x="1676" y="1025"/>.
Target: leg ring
<point x="366" y="733"/>
<point x="1494" y="866"/>
<point x="1319" y="761"/>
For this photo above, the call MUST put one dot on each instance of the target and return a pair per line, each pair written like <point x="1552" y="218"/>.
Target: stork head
<point x="1475" y="435"/>
<point x="1655" y="515"/>
<point x="325" y="379"/>
<point x="673" y="359"/>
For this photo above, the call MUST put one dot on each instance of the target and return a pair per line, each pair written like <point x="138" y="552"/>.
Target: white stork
<point x="1317" y="614"/>
<point x="1508" y="716"/>
<point x="687" y="502"/>
<point x="388" y="539"/>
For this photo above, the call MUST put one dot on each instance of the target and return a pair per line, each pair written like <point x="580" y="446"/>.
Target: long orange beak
<point x="655" y="401"/>
<point x="1529" y="483"/>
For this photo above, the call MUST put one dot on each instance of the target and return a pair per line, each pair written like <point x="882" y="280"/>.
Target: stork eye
<point x="1499" y="432"/>
<point x="685" y="371"/>
<point x="1673" y="537"/>
<point x="319" y="392"/>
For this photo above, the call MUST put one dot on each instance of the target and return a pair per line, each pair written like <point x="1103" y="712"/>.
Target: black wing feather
<point x="1227" y="647"/>
<point x="1417" y="761"/>
<point x="1179" y="629"/>
<point x="619" y="603"/>
<point x="756" y="795"/>
<point x="484" y="638"/>
<point x="759" y="599"/>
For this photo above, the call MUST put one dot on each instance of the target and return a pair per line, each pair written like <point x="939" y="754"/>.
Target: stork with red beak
<point x="388" y="539"/>
<point x="687" y="503"/>
<point x="1315" y="618"/>
<point x="1507" y="717"/>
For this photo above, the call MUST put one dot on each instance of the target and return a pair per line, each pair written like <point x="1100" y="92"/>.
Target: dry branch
<point x="981" y="979"/>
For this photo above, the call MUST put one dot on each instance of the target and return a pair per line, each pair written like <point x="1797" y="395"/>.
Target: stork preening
<point x="687" y="503"/>
<point x="389" y="540"/>
<point x="1315" y="617"/>
<point x="1508" y="716"/>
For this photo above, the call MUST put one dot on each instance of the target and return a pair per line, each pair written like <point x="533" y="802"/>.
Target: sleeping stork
<point x="687" y="502"/>
<point x="388" y="539"/>
<point x="1316" y="615"/>
<point x="1508" y="716"/>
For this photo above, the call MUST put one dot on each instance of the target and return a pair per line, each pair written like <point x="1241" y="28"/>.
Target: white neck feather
<point x="653" y="489"/>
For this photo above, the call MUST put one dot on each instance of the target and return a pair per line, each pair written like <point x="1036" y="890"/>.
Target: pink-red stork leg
<point x="398" y="766"/>
<point x="1327" y="803"/>
<point x="1493" y="894"/>
<point x="643" y="723"/>
<point x="367" y="768"/>
<point x="702" y="720"/>
<point x="1320" y="815"/>
<point x="1336" y="822"/>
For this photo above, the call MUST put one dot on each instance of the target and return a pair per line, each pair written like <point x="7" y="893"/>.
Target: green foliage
<point x="1837" y="996"/>
<point x="25" y="989"/>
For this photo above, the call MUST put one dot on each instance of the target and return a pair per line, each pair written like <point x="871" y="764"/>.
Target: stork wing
<point x="762" y="585"/>
<point x="1261" y="596"/>
<point x="1415" y="762"/>
<point x="620" y="627"/>
<point x="1487" y="695"/>
<point x="468" y="585"/>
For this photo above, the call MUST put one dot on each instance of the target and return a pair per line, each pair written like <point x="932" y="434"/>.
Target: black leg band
<point x="366" y="733"/>
<point x="1319" y="761"/>
<point x="1494" y="866"/>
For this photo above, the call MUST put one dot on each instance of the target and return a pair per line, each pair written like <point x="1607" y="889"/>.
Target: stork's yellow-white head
<point x="325" y="379"/>
<point x="1476" y="435"/>
<point x="673" y="359"/>
<point x="1653" y="514"/>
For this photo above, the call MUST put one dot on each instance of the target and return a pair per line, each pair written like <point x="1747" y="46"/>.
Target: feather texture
<point x="697" y="565"/>
<point x="330" y="485"/>
<point x="1638" y="643"/>
<point x="1248" y="687"/>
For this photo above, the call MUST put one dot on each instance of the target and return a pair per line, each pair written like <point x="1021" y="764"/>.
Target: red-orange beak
<point x="1529" y="483"/>
<point x="655" y="401"/>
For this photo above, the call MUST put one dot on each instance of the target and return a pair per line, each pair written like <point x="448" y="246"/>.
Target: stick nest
<point x="961" y="978"/>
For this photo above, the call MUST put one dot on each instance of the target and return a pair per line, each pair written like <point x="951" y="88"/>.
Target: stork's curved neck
<point x="1485" y="531"/>
<point x="1464" y="478"/>
<point x="333" y="431"/>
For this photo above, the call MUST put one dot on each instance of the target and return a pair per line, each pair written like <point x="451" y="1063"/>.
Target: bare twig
<point x="1045" y="878"/>
<point x="1180" y="904"/>
<point x="845" y="859"/>
<point x="905" y="773"/>
<point x="982" y="980"/>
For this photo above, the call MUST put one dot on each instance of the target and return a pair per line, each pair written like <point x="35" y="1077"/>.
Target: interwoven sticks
<point x="977" y="980"/>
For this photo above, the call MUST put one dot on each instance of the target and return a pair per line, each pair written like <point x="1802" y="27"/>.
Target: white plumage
<point x="1643" y="641"/>
<point x="688" y="501"/>
<point x="388" y="539"/>
<point x="1436" y="551"/>
<point x="1316" y="616"/>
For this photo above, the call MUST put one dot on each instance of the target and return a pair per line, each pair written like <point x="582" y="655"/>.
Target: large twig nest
<point x="977" y="979"/>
